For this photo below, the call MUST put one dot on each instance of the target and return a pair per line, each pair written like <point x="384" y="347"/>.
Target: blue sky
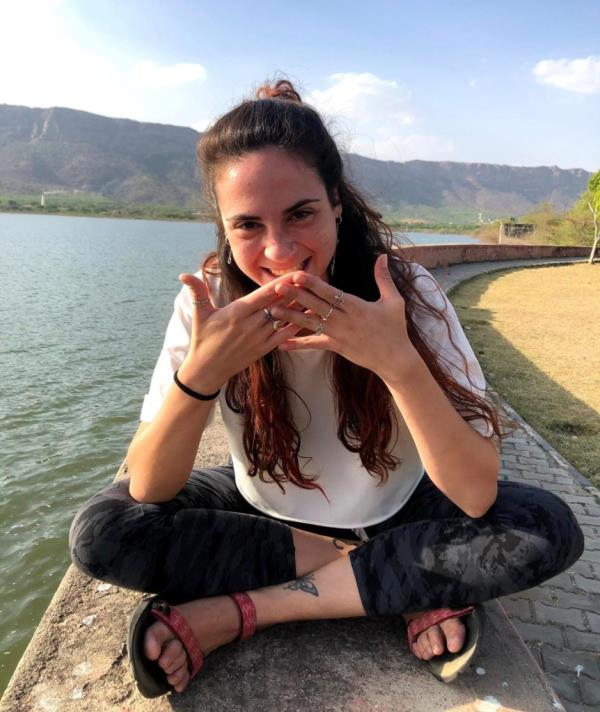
<point x="512" y="82"/>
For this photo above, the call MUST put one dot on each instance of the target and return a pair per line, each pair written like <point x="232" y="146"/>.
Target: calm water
<point x="84" y="305"/>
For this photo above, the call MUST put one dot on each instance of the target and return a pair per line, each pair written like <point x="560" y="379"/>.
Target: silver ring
<point x="329" y="313"/>
<point x="268" y="315"/>
<point x="200" y="302"/>
<point x="319" y="329"/>
<point x="339" y="298"/>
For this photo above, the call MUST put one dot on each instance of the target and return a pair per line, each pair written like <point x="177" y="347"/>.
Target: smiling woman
<point x="269" y="229"/>
<point x="364" y="466"/>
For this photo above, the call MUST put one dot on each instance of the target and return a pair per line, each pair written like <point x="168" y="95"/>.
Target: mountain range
<point x="61" y="149"/>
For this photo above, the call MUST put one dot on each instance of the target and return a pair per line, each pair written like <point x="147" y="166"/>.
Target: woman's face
<point x="276" y="215"/>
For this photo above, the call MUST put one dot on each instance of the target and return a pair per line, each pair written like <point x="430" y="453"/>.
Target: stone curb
<point x="590" y="488"/>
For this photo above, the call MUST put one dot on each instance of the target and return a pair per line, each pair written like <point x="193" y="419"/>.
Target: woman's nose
<point x="279" y="248"/>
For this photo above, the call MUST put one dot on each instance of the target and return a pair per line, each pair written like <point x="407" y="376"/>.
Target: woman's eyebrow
<point x="295" y="206"/>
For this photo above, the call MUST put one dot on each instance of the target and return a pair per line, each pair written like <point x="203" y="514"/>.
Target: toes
<point x="424" y="646"/>
<point x="436" y="641"/>
<point x="180" y="661"/>
<point x="179" y="679"/>
<point x="155" y="637"/>
<point x="448" y="635"/>
<point x="454" y="632"/>
<point x="172" y="651"/>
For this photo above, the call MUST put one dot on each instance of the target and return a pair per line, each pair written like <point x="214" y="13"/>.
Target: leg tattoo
<point x="304" y="583"/>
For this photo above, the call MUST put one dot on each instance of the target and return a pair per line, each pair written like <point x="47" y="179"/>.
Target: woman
<point x="364" y="466"/>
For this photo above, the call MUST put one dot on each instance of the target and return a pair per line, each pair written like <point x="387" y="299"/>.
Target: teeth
<point x="280" y="272"/>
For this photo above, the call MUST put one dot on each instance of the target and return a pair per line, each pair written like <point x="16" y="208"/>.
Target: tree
<point x="592" y="198"/>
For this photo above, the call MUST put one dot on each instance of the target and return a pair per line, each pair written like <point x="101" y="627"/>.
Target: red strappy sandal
<point x="150" y="678"/>
<point x="447" y="666"/>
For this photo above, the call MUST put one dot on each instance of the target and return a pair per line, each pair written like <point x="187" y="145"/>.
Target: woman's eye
<point x="250" y="225"/>
<point x="302" y="214"/>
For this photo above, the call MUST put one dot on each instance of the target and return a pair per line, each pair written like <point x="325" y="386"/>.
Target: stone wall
<point x="431" y="256"/>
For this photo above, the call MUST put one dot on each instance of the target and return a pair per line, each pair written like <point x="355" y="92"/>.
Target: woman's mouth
<point x="294" y="268"/>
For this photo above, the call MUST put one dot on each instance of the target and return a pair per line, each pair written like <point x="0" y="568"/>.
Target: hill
<point x="135" y="162"/>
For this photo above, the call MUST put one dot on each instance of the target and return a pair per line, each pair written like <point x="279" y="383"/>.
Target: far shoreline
<point x="434" y="229"/>
<point x="106" y="216"/>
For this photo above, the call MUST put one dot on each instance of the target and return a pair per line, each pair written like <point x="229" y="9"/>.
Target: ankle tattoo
<point x="304" y="583"/>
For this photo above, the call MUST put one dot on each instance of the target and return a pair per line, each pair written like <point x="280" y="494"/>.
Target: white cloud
<point x="202" y="125"/>
<point x="577" y="75"/>
<point x="363" y="96"/>
<point x="373" y="115"/>
<point x="51" y="58"/>
<point x="152" y="74"/>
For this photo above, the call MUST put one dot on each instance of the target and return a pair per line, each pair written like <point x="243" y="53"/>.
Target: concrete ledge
<point x="431" y="256"/>
<point x="77" y="660"/>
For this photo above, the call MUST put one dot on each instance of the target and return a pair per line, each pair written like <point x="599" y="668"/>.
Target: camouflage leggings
<point x="208" y="541"/>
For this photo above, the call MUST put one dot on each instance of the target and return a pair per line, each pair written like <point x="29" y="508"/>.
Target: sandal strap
<point x="179" y="626"/>
<point x="425" y="621"/>
<point x="248" y="614"/>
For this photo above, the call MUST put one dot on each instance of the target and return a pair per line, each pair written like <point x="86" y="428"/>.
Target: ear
<point x="337" y="210"/>
<point x="337" y="204"/>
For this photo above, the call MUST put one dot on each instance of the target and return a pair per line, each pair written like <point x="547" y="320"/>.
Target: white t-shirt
<point x="354" y="499"/>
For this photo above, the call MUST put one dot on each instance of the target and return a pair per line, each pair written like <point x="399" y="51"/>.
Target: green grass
<point x="100" y="206"/>
<point x="95" y="206"/>
<point x="535" y="334"/>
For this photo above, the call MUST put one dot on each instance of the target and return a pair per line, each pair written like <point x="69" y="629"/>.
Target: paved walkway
<point x="559" y="620"/>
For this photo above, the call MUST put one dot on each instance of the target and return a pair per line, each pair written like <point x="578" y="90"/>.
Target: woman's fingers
<point x="196" y="285"/>
<point x="281" y="335"/>
<point x="242" y="331"/>
<point x="200" y="297"/>
<point x="202" y="309"/>
<point x="304" y="282"/>
<point x="305" y="298"/>
<point x="298" y="343"/>
<point x="306" y="320"/>
<point x="263" y="296"/>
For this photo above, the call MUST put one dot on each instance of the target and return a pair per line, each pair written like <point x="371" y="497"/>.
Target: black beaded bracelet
<point x="192" y="393"/>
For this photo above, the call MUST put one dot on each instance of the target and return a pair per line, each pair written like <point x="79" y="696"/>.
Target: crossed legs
<point x="412" y="563"/>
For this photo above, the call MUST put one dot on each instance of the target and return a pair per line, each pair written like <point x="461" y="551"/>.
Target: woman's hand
<point x="225" y="341"/>
<point x="370" y="334"/>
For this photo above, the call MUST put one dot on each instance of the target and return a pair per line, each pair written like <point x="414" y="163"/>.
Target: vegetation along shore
<point x="571" y="227"/>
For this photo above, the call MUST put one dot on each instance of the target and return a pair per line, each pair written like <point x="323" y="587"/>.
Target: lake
<point x="85" y="302"/>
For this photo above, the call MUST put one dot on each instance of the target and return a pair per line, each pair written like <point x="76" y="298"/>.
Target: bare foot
<point x="447" y="635"/>
<point x="215" y="622"/>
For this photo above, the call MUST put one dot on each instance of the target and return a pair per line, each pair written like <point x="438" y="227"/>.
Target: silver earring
<point x="229" y="255"/>
<point x="332" y="263"/>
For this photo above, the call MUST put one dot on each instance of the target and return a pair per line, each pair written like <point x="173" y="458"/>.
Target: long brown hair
<point x="278" y="117"/>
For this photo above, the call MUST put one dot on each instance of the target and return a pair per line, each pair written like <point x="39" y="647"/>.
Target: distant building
<point x="515" y="229"/>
